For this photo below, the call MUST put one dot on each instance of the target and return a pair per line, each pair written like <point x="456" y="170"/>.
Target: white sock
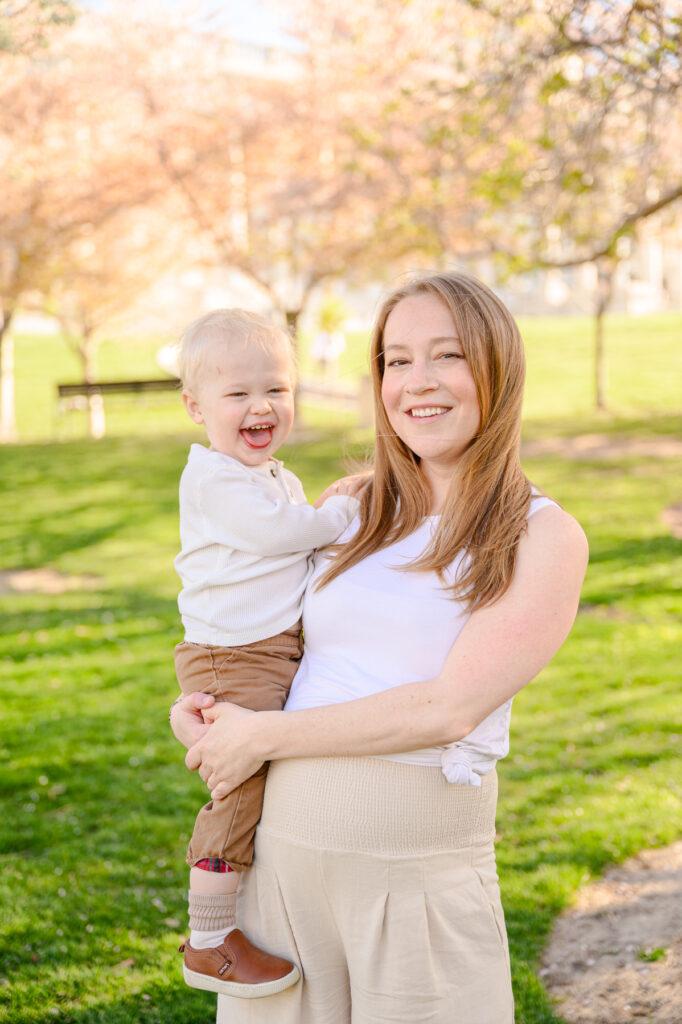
<point x="208" y="940"/>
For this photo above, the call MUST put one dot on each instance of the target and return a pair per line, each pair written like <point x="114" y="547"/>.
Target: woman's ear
<point x="192" y="407"/>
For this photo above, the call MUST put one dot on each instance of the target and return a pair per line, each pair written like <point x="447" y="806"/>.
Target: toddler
<point x="247" y="536"/>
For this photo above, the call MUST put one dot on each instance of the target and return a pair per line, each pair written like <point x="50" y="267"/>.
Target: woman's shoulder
<point x="552" y="529"/>
<point x="538" y="501"/>
<point x="551" y="561"/>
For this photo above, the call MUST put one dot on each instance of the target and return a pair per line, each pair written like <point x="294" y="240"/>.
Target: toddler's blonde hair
<point x="227" y="326"/>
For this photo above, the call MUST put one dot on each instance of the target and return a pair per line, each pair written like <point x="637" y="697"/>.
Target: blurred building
<point x="648" y="279"/>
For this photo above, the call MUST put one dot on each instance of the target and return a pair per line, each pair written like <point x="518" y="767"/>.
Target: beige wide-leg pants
<point x="378" y="878"/>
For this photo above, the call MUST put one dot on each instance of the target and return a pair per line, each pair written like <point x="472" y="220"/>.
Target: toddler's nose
<point x="260" y="405"/>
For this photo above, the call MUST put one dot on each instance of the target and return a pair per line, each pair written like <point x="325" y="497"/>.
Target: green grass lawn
<point x="97" y="805"/>
<point x="644" y="360"/>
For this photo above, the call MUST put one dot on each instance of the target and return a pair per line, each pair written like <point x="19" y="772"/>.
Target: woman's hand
<point x="352" y="485"/>
<point x="226" y="754"/>
<point x="187" y="719"/>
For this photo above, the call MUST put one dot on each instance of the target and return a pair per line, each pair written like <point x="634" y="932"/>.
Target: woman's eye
<point x="397" y="362"/>
<point x="451" y="355"/>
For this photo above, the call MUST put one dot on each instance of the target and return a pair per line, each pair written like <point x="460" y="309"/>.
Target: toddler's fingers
<point x="193" y="702"/>
<point x="203" y="700"/>
<point x="355" y="485"/>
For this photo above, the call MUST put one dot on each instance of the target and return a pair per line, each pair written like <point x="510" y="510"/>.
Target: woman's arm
<point x="501" y="648"/>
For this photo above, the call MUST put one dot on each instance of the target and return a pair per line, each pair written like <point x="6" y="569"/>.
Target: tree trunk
<point x="8" y="423"/>
<point x="88" y="352"/>
<point x="292" y="316"/>
<point x="605" y="276"/>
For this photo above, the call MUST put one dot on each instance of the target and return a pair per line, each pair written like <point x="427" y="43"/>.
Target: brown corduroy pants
<point x="257" y="676"/>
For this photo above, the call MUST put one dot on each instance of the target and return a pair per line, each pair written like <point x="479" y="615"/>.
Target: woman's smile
<point x="428" y="412"/>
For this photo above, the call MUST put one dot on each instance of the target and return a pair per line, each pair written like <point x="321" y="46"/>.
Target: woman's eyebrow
<point x="432" y="341"/>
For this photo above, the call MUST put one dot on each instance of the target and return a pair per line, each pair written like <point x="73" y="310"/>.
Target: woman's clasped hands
<point x="218" y="741"/>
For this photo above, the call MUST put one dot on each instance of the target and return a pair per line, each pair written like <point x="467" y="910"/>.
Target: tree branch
<point x="606" y="250"/>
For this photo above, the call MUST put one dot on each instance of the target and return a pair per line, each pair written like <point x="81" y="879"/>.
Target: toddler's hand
<point x="351" y="485"/>
<point x="187" y="719"/>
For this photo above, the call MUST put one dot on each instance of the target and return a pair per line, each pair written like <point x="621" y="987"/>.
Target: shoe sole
<point x="234" y="988"/>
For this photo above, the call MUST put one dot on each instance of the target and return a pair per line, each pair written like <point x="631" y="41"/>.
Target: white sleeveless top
<point x="376" y="627"/>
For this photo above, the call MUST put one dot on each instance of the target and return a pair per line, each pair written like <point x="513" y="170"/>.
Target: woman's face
<point x="428" y="389"/>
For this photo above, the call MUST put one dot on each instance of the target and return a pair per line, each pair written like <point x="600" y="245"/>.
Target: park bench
<point x="72" y="397"/>
<point x="116" y="387"/>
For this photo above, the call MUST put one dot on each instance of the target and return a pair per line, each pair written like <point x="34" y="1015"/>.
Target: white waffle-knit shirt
<point x="247" y="536"/>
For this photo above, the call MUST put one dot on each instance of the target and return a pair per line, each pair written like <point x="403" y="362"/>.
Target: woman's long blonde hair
<point x="486" y="507"/>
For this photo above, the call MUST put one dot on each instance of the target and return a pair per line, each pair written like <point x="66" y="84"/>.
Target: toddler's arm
<point x="240" y="514"/>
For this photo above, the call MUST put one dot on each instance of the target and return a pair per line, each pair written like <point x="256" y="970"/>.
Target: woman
<point x="454" y="588"/>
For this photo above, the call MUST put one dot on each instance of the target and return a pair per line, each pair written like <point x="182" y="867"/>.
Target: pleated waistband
<point x="371" y="805"/>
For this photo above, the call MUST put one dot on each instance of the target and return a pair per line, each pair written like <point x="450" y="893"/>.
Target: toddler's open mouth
<point x="258" y="436"/>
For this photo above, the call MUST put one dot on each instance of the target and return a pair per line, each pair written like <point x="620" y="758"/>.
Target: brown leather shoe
<point x="237" y="968"/>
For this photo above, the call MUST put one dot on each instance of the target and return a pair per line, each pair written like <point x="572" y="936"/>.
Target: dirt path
<point x="615" y="957"/>
<point x="44" y="581"/>
<point x="608" y="446"/>
<point x="604" y="446"/>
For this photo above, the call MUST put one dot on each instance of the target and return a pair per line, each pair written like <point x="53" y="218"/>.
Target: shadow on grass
<point x="646" y="424"/>
<point x="639" y="551"/>
<point x="44" y="541"/>
<point x="156" y="1003"/>
<point x="113" y="615"/>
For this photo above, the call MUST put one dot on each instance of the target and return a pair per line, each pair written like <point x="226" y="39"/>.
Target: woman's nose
<point x="420" y="378"/>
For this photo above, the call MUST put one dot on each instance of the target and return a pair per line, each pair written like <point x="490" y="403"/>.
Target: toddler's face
<point x="244" y="396"/>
